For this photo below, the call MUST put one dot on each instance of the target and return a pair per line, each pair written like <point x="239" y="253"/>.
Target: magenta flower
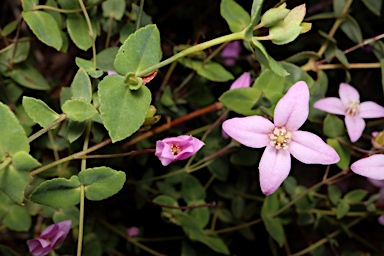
<point x="133" y="231"/>
<point x="51" y="237"/>
<point x="242" y="81"/>
<point x="371" y="167"/>
<point x="349" y="105"/>
<point x="282" y="138"/>
<point x="230" y="52"/>
<point x="173" y="149"/>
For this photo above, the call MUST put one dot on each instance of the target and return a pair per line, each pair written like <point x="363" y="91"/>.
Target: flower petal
<point x="348" y="94"/>
<point x="164" y="153"/>
<point x="331" y="105"/>
<point x="292" y="110"/>
<point x="242" y="82"/>
<point x="250" y="131"/>
<point x="355" y="127"/>
<point x="370" y="167"/>
<point x="274" y="168"/>
<point x="311" y="149"/>
<point x="370" y="109"/>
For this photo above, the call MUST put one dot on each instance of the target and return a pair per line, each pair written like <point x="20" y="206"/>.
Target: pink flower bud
<point x="133" y="231"/>
<point x="230" y="52"/>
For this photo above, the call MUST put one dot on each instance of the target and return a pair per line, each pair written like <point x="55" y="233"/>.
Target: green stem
<point x="5" y="163"/>
<point x="47" y="7"/>
<point x="81" y="221"/>
<point x="231" y="229"/>
<point x="138" y="21"/>
<point x="90" y="31"/>
<point x="54" y="149"/>
<point x="44" y="130"/>
<point x="196" y="48"/>
<point x="85" y="145"/>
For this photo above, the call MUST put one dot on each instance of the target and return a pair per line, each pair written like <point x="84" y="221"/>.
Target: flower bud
<point x="274" y="15"/>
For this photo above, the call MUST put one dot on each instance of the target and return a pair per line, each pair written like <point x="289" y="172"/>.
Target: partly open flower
<point x="230" y="52"/>
<point x="173" y="149"/>
<point x="378" y="139"/>
<point x="350" y="106"/>
<point x="371" y="167"/>
<point x="51" y="237"/>
<point x="282" y="138"/>
<point x="242" y="81"/>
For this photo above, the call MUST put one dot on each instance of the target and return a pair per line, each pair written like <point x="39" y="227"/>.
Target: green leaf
<point x="215" y="243"/>
<point x="238" y="207"/>
<point x="211" y="70"/>
<point x="201" y="215"/>
<point x="140" y="51"/>
<point x="58" y="193"/>
<point x="69" y="213"/>
<point x="78" y="31"/>
<point x="236" y="17"/>
<point x="29" y="4"/>
<point x="352" y="29"/>
<point x="21" y="53"/>
<point x="334" y="194"/>
<point x="13" y="182"/>
<point x="123" y="111"/>
<point x="12" y="135"/>
<point x="45" y="27"/>
<point x="106" y="58"/>
<point x="342" y="209"/>
<point x="270" y="205"/>
<point x="343" y="151"/>
<point x="342" y="58"/>
<point x="266" y="60"/>
<point x="75" y="130"/>
<point x="355" y="196"/>
<point x="114" y="9"/>
<point x="28" y="77"/>
<point x="39" y="112"/>
<point x="242" y="100"/>
<point x="255" y="17"/>
<point x="81" y="87"/>
<point x="191" y="189"/>
<point x="9" y="28"/>
<point x="14" y="217"/>
<point x="78" y="110"/>
<point x="275" y="229"/>
<point x="374" y="6"/>
<point x="167" y="200"/>
<point x="101" y="182"/>
<point x="24" y="162"/>
<point x="333" y="126"/>
<point x="87" y="65"/>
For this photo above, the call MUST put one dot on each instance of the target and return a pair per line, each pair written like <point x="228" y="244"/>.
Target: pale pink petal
<point x="274" y="168"/>
<point x="376" y="183"/>
<point x="355" y="127"/>
<point x="164" y="153"/>
<point x="230" y="52"/>
<point x="381" y="220"/>
<point x="374" y="134"/>
<point x="370" y="109"/>
<point x="243" y="81"/>
<point x="370" y="167"/>
<point x="331" y="105"/>
<point x="250" y="131"/>
<point x="111" y="72"/>
<point x="348" y="94"/>
<point x="311" y="149"/>
<point x="292" y="109"/>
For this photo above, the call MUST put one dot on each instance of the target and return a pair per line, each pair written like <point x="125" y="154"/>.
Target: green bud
<point x="378" y="140"/>
<point x="132" y="81"/>
<point x="274" y="15"/>
<point x="151" y="120"/>
<point x="151" y="111"/>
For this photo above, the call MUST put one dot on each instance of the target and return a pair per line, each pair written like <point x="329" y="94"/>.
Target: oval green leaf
<point x="78" y="110"/>
<point x="242" y="100"/>
<point x="191" y="189"/>
<point x="38" y="111"/>
<point x="81" y="87"/>
<point x="235" y="15"/>
<point x="211" y="70"/>
<point x="333" y="126"/>
<point x="78" y="31"/>
<point x="28" y="77"/>
<point x="101" y="182"/>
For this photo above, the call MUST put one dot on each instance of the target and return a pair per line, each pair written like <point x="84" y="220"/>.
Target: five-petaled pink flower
<point x="51" y="237"/>
<point x="173" y="149"/>
<point x="242" y="81"/>
<point x="230" y="52"/>
<point x="282" y="138"/>
<point x="371" y="167"/>
<point x="350" y="106"/>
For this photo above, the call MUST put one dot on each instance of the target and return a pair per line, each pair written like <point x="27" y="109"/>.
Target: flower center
<point x="280" y="138"/>
<point x="353" y="108"/>
<point x="175" y="149"/>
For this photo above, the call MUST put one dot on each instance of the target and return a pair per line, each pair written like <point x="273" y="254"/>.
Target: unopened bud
<point x="274" y="15"/>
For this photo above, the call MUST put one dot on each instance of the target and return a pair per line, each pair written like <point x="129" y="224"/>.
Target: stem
<point x="230" y="229"/>
<point x="44" y="130"/>
<point x="109" y="31"/>
<point x="140" y="14"/>
<point x="54" y="148"/>
<point x="351" y="66"/>
<point x="5" y="163"/>
<point x="47" y="7"/>
<point x="131" y="153"/>
<point x="196" y="48"/>
<point x="81" y="221"/>
<point x="90" y="31"/>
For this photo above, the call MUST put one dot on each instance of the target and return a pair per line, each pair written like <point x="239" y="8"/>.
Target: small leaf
<point x="114" y="9"/>
<point x="211" y="70"/>
<point x="342" y="209"/>
<point x="140" y="51"/>
<point x="343" y="151"/>
<point x="81" y="87"/>
<point x="342" y="58"/>
<point x="123" y="111"/>
<point x="167" y="200"/>
<point x="78" y="110"/>
<point x="101" y="182"/>
<point x="21" y="53"/>
<point x="236" y="17"/>
<point x="78" y="31"/>
<point x="9" y="28"/>
<point x="255" y="17"/>
<point x="13" y="182"/>
<point x="238" y="207"/>
<point x="266" y="60"/>
<point x="28" y="77"/>
<point x="17" y="218"/>
<point x="39" y="112"/>
<point x="106" y="58"/>
<point x="334" y="194"/>
<point x="191" y="189"/>
<point x="75" y="130"/>
<point x="270" y="205"/>
<point x="374" y="6"/>
<point x="24" y="162"/>
<point x="12" y="135"/>
<point x="45" y="27"/>
<point x="58" y="193"/>
<point x="333" y="126"/>
<point x="69" y="213"/>
<point x="201" y="215"/>
<point x="355" y="196"/>
<point x="242" y="100"/>
<point x="88" y="66"/>
<point x="352" y="29"/>
<point x="275" y="229"/>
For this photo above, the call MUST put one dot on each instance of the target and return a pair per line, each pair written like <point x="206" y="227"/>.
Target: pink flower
<point x="350" y="106"/>
<point x="111" y="72"/>
<point x="282" y="138"/>
<point x="371" y="167"/>
<point x="230" y="52"/>
<point x="173" y="149"/>
<point x="51" y="237"/>
<point x="133" y="231"/>
<point x="242" y="81"/>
